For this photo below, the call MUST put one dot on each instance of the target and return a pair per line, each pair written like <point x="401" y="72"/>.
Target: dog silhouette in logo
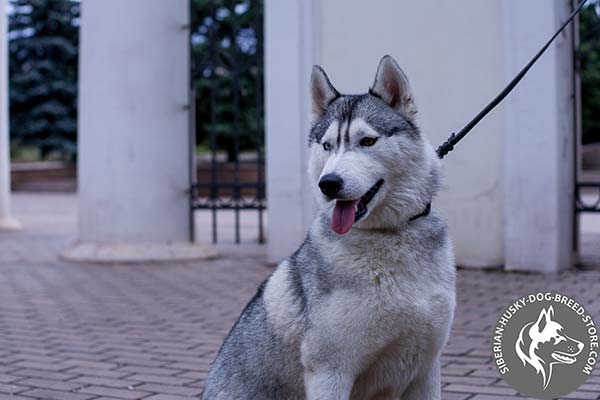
<point x="544" y="343"/>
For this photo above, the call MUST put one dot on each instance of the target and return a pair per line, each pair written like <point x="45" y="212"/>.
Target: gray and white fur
<point x="364" y="313"/>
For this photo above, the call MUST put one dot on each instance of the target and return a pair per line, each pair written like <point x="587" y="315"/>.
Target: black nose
<point x="330" y="184"/>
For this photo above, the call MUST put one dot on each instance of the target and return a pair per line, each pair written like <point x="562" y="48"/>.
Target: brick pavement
<point x="99" y="332"/>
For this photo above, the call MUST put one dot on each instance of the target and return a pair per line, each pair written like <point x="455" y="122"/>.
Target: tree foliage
<point x="227" y="55"/>
<point x="589" y="31"/>
<point x="43" y="57"/>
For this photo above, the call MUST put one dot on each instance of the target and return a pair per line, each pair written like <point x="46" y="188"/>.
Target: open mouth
<point x="563" y="358"/>
<point x="347" y="212"/>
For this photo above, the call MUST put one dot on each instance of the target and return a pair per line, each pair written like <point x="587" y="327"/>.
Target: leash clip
<point x="446" y="147"/>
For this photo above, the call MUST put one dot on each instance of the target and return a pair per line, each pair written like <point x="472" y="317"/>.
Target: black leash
<point x="449" y="144"/>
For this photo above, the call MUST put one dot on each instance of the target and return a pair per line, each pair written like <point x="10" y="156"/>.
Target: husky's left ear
<point x="322" y="91"/>
<point x="391" y="85"/>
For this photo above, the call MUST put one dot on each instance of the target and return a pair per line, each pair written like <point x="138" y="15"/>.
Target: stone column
<point x="7" y="222"/>
<point x="538" y="201"/>
<point x="133" y="154"/>
<point x="291" y="49"/>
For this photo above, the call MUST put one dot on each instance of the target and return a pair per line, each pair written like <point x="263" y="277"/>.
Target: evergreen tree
<point x="589" y="32"/>
<point x="43" y="58"/>
<point x="227" y="53"/>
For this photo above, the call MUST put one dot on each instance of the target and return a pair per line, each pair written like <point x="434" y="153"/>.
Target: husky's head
<point x="368" y="159"/>
<point x="544" y="343"/>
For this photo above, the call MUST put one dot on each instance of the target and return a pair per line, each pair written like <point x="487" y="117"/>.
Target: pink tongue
<point x="343" y="216"/>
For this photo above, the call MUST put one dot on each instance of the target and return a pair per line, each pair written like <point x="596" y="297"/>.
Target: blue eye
<point x="326" y="146"/>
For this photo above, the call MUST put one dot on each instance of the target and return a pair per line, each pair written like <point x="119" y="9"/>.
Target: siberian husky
<point x="363" y="308"/>
<point x="544" y="343"/>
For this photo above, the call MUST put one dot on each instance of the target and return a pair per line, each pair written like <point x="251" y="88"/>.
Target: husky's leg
<point x="328" y="385"/>
<point x="426" y="385"/>
<point x="330" y="368"/>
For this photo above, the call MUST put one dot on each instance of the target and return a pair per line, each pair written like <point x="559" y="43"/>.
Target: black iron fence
<point x="587" y="64"/>
<point x="587" y="90"/>
<point x="228" y="127"/>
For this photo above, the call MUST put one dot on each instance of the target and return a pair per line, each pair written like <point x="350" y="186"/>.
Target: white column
<point x="134" y="171"/>
<point x="290" y="51"/>
<point x="539" y="139"/>
<point x="7" y="222"/>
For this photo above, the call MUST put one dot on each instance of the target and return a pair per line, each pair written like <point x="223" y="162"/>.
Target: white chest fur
<point x="384" y="318"/>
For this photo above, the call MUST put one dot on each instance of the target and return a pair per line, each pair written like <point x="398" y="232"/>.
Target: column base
<point x="137" y="252"/>
<point x="9" y="224"/>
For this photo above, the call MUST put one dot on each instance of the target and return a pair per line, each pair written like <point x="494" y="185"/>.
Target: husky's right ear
<point x="322" y="92"/>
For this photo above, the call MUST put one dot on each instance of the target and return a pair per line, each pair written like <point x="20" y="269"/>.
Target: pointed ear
<point x="542" y="320"/>
<point x="391" y="85"/>
<point x="322" y="91"/>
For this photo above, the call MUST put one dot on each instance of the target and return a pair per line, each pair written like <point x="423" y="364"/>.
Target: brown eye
<point x="326" y="146"/>
<point x="368" y="141"/>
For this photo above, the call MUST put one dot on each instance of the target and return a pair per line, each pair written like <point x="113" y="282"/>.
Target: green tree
<point x="589" y="31"/>
<point x="43" y="38"/>
<point x="227" y="55"/>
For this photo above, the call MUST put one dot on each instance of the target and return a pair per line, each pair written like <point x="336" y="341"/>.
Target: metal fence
<point x="587" y="87"/>
<point x="587" y="66"/>
<point x="227" y="86"/>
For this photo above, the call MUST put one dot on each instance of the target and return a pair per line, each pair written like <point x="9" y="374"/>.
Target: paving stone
<point x="49" y="384"/>
<point x="35" y="373"/>
<point x="48" y="394"/>
<point x="169" y="389"/>
<point x="166" y="380"/>
<point x="461" y="388"/>
<point x="117" y="393"/>
<point x="4" y="378"/>
<point x="169" y="397"/>
<point x="94" y="380"/>
<point x="38" y="365"/>
<point x="579" y="395"/>
<point x="102" y="373"/>
<point x="455" y="396"/>
<point x="11" y="388"/>
<point x="147" y="370"/>
<point x="87" y="364"/>
<point x="468" y="380"/>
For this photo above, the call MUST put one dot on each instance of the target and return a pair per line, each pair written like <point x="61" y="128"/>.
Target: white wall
<point x="290" y="51"/>
<point x="133" y="127"/>
<point x="454" y="54"/>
